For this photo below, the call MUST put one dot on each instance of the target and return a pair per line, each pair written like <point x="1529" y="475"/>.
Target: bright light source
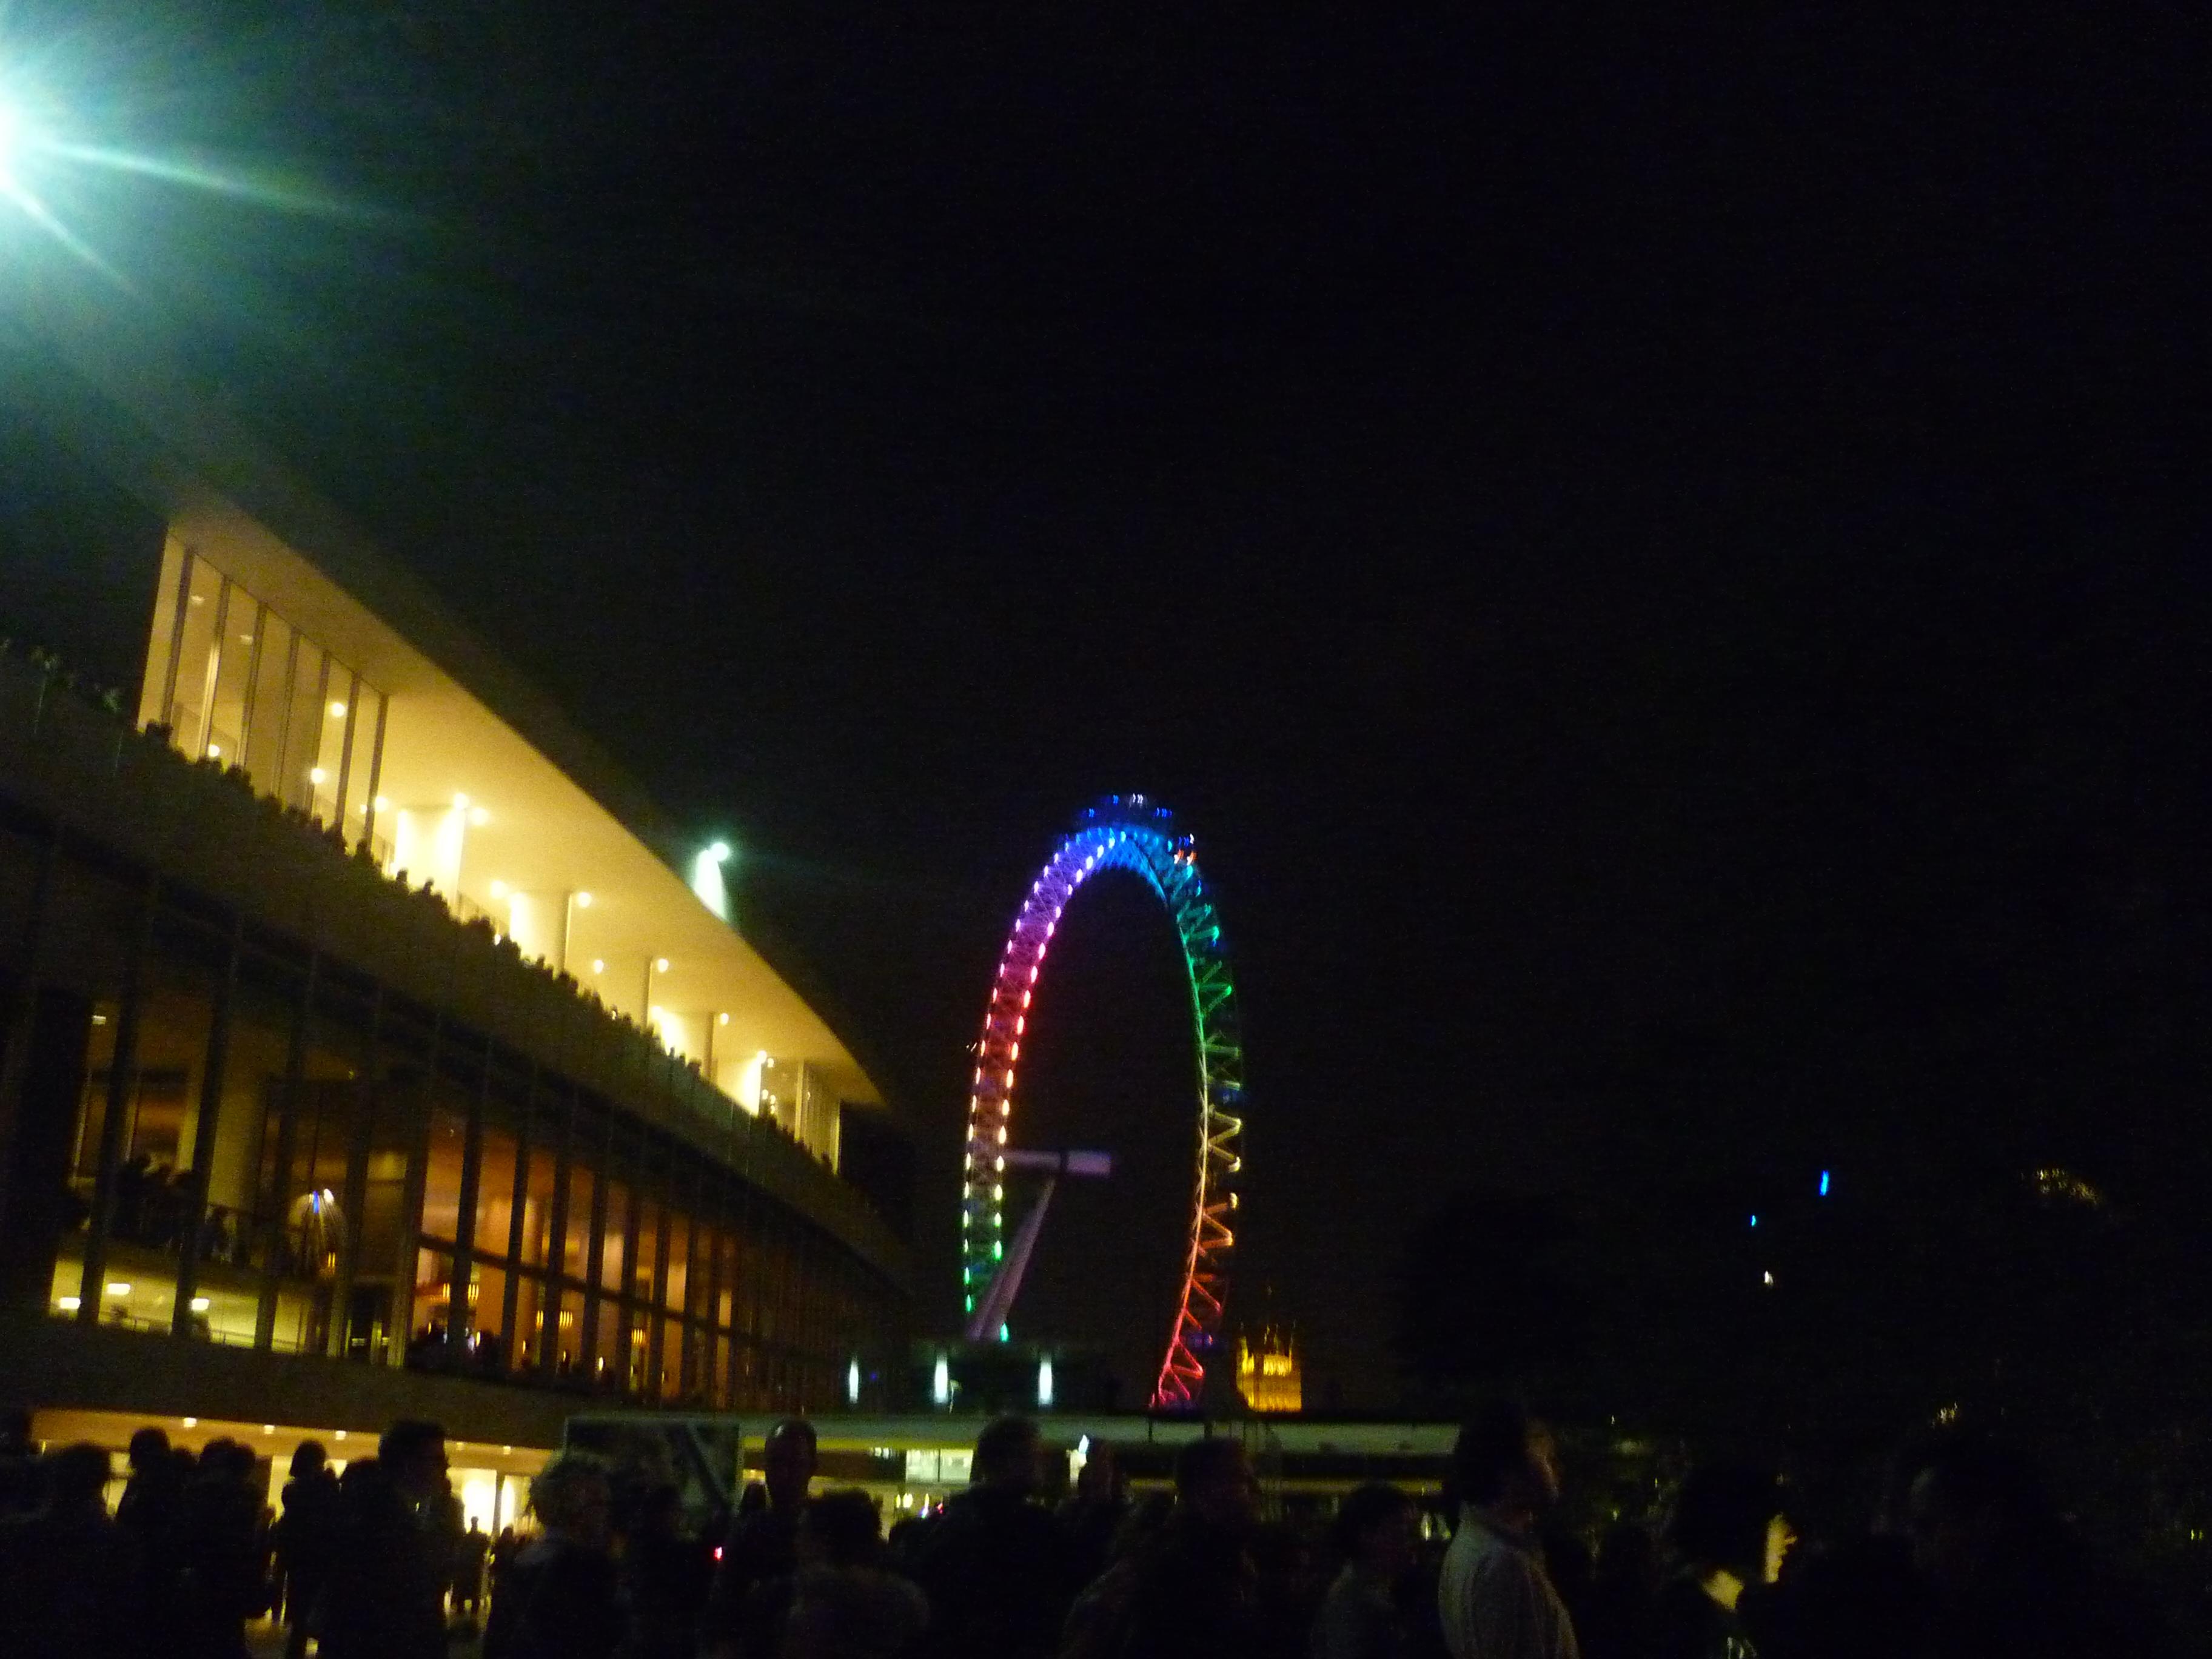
<point x="383" y="804"/>
<point x="721" y="1019"/>
<point x="499" y="889"/>
<point x="316" y="774"/>
<point x="190" y="1422"/>
<point x="852" y="1383"/>
<point x="479" y="816"/>
<point x="940" y="1381"/>
<point x="201" y="1305"/>
<point x="707" y="879"/>
<point x="340" y="1435"/>
<point x="1824" y="1184"/>
<point x="460" y="803"/>
<point x="268" y="1428"/>
<point x="583" y="901"/>
<point x="1044" y="1383"/>
<point x="598" y="965"/>
<point x="337" y="711"/>
<point x="660" y="964"/>
<point x="119" y="1287"/>
<point x="215" y="752"/>
<point x="69" y="1304"/>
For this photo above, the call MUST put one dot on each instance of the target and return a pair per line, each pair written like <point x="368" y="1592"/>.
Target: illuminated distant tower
<point x="1267" y="1374"/>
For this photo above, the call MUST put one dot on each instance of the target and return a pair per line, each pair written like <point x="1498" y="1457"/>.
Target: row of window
<point x="273" y="1150"/>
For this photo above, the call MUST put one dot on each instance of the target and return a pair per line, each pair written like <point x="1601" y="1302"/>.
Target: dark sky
<point x="1661" y="559"/>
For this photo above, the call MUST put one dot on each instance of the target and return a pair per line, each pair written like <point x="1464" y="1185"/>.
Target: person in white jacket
<point x="1494" y="1597"/>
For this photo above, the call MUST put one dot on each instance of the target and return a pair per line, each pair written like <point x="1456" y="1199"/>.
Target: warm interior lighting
<point x="499" y="889"/>
<point x="460" y="803"/>
<point x="721" y="1019"/>
<point x="190" y="1422"/>
<point x="316" y="774"/>
<point x="583" y="901"/>
<point x="598" y="965"/>
<point x="660" y="964"/>
<point x="69" y="1304"/>
<point x="201" y="1305"/>
<point x="340" y="1435"/>
<point x="337" y="711"/>
<point x="479" y="816"/>
<point x="119" y="1287"/>
<point x="215" y="752"/>
<point x="383" y="804"/>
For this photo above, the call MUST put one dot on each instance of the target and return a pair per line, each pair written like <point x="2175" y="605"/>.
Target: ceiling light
<point x="69" y="1304"/>
<point x="479" y="816"/>
<point x="215" y="752"/>
<point x="316" y="774"/>
<point x="201" y="1305"/>
<point x="499" y="889"/>
<point x="190" y="1422"/>
<point x="583" y="901"/>
<point x="337" y="711"/>
<point x="383" y="804"/>
<point x="460" y="803"/>
<point x="660" y="964"/>
<point x="598" y="965"/>
<point x="722" y="1019"/>
<point x="119" y="1287"/>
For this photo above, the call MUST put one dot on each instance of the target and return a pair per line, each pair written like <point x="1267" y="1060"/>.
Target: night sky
<point x="1661" y="561"/>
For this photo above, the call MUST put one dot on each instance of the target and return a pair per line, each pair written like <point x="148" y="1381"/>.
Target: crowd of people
<point x="1966" y="1559"/>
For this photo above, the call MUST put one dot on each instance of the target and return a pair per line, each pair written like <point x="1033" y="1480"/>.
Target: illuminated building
<point x="1267" y="1375"/>
<point x="285" y="1138"/>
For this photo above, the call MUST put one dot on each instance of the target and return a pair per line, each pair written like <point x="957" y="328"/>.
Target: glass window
<point x="576" y="1235"/>
<point x="272" y="686"/>
<point x="303" y="728"/>
<point x="649" y="1250"/>
<point x="365" y="766"/>
<point x="607" y="1340"/>
<point x="538" y="1205"/>
<point x="496" y="1190"/>
<point x="488" y="1317"/>
<point x="672" y="1359"/>
<point x="679" y="1258"/>
<point x="568" y="1336"/>
<point x="524" y="1342"/>
<point x="612" y="1240"/>
<point x="441" y="1182"/>
<point x="327" y="776"/>
<point x="434" y="1279"/>
<point x="188" y="709"/>
<point x="235" y="628"/>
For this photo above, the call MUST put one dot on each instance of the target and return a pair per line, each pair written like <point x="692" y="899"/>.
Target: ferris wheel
<point x="1121" y="832"/>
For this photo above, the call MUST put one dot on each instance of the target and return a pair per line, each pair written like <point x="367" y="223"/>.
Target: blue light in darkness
<point x="1824" y="1184"/>
<point x="1754" y="1221"/>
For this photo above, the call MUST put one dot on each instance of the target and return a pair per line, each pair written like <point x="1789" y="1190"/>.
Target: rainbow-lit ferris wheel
<point x="1123" y="832"/>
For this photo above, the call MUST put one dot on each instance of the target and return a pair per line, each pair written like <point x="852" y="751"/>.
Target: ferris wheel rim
<point x="1126" y="832"/>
